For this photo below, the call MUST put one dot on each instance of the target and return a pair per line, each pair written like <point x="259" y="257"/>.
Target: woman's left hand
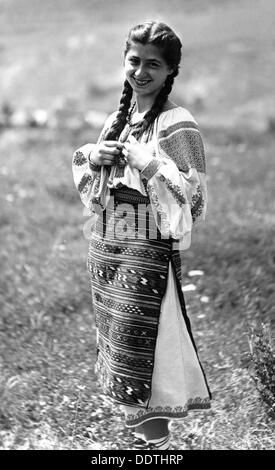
<point x="136" y="154"/>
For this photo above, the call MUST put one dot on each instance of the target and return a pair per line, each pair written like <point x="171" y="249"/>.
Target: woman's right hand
<point x="105" y="152"/>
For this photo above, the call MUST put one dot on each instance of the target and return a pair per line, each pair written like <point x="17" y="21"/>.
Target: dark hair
<point x="160" y="35"/>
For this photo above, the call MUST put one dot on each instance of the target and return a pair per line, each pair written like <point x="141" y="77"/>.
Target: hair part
<point x="163" y="37"/>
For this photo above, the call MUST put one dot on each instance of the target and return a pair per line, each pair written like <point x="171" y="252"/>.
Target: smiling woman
<point x="146" y="71"/>
<point x="145" y="179"/>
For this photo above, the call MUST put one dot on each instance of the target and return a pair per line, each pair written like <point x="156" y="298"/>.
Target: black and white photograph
<point x="137" y="228"/>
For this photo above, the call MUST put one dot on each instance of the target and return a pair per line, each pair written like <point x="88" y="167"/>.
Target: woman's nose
<point x="139" y="71"/>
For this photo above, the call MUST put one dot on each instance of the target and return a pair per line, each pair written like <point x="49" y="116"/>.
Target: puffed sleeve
<point x="91" y="180"/>
<point x="176" y="177"/>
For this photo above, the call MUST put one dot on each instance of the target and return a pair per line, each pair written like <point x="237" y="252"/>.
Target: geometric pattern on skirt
<point x="128" y="282"/>
<point x="178" y="384"/>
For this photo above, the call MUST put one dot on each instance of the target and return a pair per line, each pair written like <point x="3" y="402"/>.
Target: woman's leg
<point x="152" y="429"/>
<point x="154" y="433"/>
<point x="155" y="429"/>
<point x="139" y="431"/>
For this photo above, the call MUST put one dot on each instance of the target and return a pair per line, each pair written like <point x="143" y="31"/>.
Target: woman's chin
<point x="144" y="91"/>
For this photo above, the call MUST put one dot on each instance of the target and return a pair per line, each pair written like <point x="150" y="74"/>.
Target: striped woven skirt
<point x="129" y="265"/>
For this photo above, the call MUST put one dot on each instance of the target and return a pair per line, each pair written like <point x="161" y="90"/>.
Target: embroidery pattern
<point x="79" y="158"/>
<point x="176" y="126"/>
<point x="82" y="186"/>
<point x="162" y="217"/>
<point x="128" y="280"/>
<point x="185" y="148"/>
<point x="197" y="204"/>
<point x="176" y="192"/>
<point x="150" y="170"/>
<point x="179" y="411"/>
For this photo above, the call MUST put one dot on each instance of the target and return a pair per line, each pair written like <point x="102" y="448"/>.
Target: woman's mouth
<point x="141" y="83"/>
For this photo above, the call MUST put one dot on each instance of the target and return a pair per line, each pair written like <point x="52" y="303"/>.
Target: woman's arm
<point x="90" y="173"/>
<point x="176" y="181"/>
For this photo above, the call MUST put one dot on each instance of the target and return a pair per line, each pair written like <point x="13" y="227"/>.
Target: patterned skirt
<point x="129" y="263"/>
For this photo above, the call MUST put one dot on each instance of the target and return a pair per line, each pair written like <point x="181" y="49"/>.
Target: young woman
<point x="145" y="180"/>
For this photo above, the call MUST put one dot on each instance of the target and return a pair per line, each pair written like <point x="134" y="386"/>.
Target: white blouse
<point x="174" y="180"/>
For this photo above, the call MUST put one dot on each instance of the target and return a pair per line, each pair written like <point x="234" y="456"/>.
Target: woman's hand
<point x="136" y="154"/>
<point x="105" y="152"/>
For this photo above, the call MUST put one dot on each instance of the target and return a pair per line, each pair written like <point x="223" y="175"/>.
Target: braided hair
<point x="160" y="35"/>
<point x="124" y="105"/>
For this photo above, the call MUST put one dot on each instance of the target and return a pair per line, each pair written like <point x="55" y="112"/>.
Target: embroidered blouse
<point x="174" y="179"/>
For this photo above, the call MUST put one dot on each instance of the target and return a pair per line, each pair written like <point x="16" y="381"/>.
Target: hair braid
<point x="160" y="35"/>
<point x="158" y="105"/>
<point x="120" y="121"/>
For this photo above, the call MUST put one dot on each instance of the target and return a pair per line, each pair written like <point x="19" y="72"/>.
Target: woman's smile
<point x="142" y="82"/>
<point x="145" y="69"/>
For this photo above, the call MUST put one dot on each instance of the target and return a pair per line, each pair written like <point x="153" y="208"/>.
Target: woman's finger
<point x="108" y="158"/>
<point x="113" y="143"/>
<point x="110" y="151"/>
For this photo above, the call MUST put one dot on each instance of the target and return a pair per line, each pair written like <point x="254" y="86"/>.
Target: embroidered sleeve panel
<point x="198" y="205"/>
<point x="81" y="162"/>
<point x="161" y="219"/>
<point x="79" y="158"/>
<point x="175" y="126"/>
<point x="151" y="168"/>
<point x="183" y="144"/>
<point x="176" y="192"/>
<point x="86" y="178"/>
<point x="91" y="179"/>
<point x="86" y="182"/>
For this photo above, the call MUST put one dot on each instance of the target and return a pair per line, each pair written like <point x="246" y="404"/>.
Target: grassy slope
<point x="48" y="390"/>
<point x="49" y="398"/>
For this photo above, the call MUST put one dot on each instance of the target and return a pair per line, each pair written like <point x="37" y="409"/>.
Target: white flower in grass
<point x="189" y="288"/>
<point x="19" y="118"/>
<point x="10" y="197"/>
<point x="40" y="117"/>
<point x="204" y="299"/>
<point x="195" y="272"/>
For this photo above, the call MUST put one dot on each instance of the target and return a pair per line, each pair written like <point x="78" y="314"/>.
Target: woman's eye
<point x="133" y="61"/>
<point x="153" y="65"/>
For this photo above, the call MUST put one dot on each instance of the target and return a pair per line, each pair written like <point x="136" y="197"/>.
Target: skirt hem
<point x="166" y="412"/>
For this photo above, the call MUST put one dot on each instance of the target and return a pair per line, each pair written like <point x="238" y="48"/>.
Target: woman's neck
<point x="144" y="103"/>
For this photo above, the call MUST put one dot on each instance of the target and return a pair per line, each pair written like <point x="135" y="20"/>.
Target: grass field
<point x="48" y="395"/>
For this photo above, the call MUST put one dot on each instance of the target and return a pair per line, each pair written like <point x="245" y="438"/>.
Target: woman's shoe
<point x="156" y="444"/>
<point x="139" y="444"/>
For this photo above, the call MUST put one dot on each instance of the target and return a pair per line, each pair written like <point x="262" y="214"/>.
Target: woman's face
<point x="145" y="69"/>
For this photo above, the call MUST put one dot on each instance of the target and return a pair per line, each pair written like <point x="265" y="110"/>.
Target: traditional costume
<point x="146" y="355"/>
